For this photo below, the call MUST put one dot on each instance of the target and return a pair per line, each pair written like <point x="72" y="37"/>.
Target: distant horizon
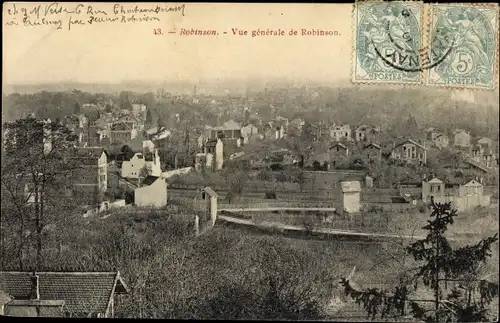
<point x="234" y="86"/>
<point x="210" y="86"/>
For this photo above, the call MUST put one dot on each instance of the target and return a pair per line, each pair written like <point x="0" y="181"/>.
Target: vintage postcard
<point x="242" y="161"/>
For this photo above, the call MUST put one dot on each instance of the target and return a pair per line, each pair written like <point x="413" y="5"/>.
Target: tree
<point x="77" y="109"/>
<point x="36" y="173"/>
<point x="459" y="270"/>
<point x="145" y="172"/>
<point x="265" y="175"/>
<point x="282" y="177"/>
<point x="308" y="133"/>
<point x="124" y="100"/>
<point x="126" y="149"/>
<point x="237" y="181"/>
<point x="108" y="108"/>
<point x="159" y="123"/>
<point x="149" y="118"/>
<point x="316" y="165"/>
<point x="299" y="177"/>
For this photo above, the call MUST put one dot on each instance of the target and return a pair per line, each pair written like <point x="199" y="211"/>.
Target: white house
<point x="248" y="132"/>
<point x="153" y="192"/>
<point x="216" y="148"/>
<point x="341" y="132"/>
<point x="351" y="192"/>
<point x="132" y="168"/>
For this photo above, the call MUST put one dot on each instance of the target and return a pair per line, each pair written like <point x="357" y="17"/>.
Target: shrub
<point x="270" y="195"/>
<point x="308" y="223"/>
<point x="265" y="175"/>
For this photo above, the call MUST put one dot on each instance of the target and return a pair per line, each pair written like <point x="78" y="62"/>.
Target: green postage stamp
<point x="473" y="37"/>
<point x="452" y="45"/>
<point x="388" y="36"/>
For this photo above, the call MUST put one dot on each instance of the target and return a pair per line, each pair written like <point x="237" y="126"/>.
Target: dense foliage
<point x="453" y="275"/>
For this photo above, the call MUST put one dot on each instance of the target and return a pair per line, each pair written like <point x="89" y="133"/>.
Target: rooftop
<point x="211" y="143"/>
<point x="90" y="152"/>
<point x="339" y="144"/>
<point x="372" y="145"/>
<point x="210" y="191"/>
<point x="353" y="186"/>
<point x="149" y="180"/>
<point x="411" y="141"/>
<point x="82" y="292"/>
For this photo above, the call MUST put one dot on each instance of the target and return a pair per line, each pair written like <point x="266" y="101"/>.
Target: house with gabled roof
<point x="229" y="130"/>
<point x="432" y="189"/>
<point x="485" y="142"/>
<point x="341" y="132"/>
<point x="373" y="152"/>
<point x="249" y="132"/>
<point x="339" y="149"/>
<point x="471" y="188"/>
<point x="122" y="132"/>
<point x="410" y="151"/>
<point x="366" y="133"/>
<point x="461" y="138"/>
<point x="149" y="158"/>
<point x="338" y="153"/>
<point x="472" y="164"/>
<point x="441" y="141"/>
<point x="61" y="294"/>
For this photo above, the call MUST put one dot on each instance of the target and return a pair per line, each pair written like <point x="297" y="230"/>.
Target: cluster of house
<point x="223" y="142"/>
<point x="141" y="173"/>
<point x="118" y="126"/>
<point x="463" y="195"/>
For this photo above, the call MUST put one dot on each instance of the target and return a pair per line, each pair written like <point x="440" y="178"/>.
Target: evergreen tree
<point x="149" y="118"/>
<point x="77" y="109"/>
<point x="453" y="275"/>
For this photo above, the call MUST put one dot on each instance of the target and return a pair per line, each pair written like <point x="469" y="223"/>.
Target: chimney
<point x="35" y="288"/>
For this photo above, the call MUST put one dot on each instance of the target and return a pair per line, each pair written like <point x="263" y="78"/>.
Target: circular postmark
<point x="389" y="39"/>
<point x="420" y="59"/>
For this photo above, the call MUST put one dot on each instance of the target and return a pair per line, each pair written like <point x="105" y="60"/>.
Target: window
<point x="346" y="134"/>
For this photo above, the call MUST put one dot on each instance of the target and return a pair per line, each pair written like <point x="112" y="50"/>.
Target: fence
<point x="462" y="203"/>
<point x="281" y="204"/>
<point x="369" y="223"/>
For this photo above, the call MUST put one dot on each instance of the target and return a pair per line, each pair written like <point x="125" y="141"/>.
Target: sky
<point x="117" y="52"/>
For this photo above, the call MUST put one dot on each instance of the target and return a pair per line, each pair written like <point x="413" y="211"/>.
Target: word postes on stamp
<point x="473" y="34"/>
<point x="387" y="29"/>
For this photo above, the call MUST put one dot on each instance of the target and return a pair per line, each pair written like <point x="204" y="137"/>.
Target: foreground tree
<point x="35" y="174"/>
<point x="453" y="275"/>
